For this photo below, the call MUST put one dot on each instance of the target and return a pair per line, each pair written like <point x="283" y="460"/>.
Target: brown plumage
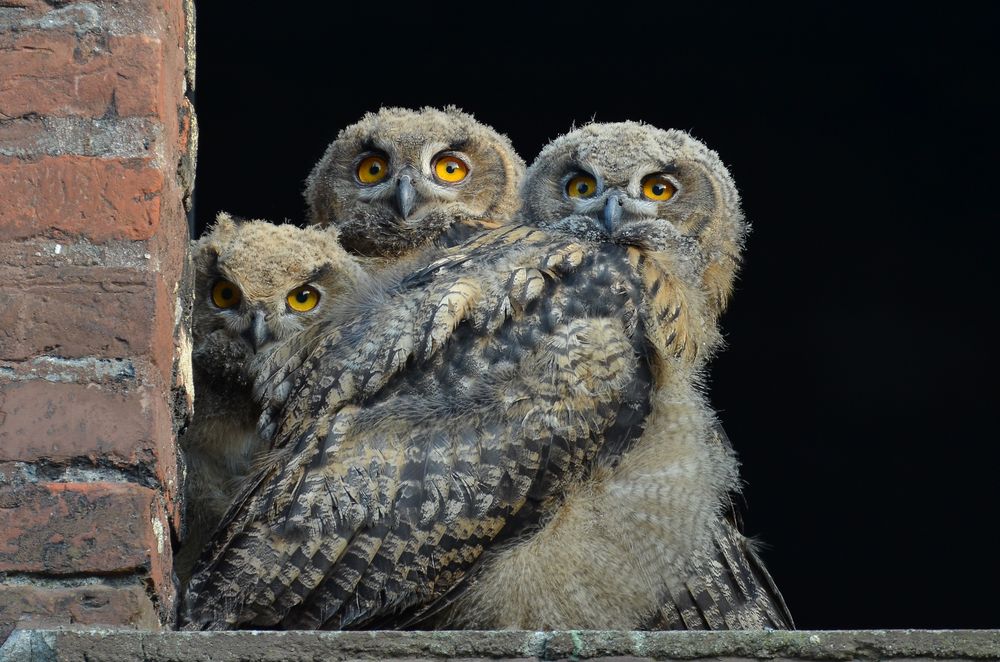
<point x="245" y="272"/>
<point x="647" y="543"/>
<point x="531" y="380"/>
<point x="400" y="180"/>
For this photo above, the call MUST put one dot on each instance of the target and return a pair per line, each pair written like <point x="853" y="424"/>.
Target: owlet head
<point x="399" y="179"/>
<point x="635" y="184"/>
<point x="260" y="283"/>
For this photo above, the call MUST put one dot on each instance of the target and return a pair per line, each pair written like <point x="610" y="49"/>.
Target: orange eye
<point x="450" y="169"/>
<point x="581" y="186"/>
<point x="658" y="187"/>
<point x="303" y="299"/>
<point x="372" y="169"/>
<point x="225" y="294"/>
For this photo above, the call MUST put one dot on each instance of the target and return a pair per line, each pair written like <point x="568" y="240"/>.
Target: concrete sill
<point x="134" y="645"/>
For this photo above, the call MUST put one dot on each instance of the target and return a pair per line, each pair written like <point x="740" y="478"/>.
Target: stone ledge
<point x="115" y="645"/>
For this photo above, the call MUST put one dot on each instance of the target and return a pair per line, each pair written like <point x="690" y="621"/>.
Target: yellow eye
<point x="450" y="169"/>
<point x="658" y="187"/>
<point x="581" y="186"/>
<point x="225" y="294"/>
<point x="372" y="169"/>
<point x="303" y="299"/>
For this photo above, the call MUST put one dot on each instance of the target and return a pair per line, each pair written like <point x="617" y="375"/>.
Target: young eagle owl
<point x="529" y="369"/>
<point x="614" y="555"/>
<point x="401" y="179"/>
<point x="256" y="284"/>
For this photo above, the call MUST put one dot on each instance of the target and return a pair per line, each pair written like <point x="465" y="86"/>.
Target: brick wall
<point x="96" y="166"/>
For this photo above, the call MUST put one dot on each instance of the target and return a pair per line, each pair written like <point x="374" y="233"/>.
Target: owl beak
<point x="405" y="196"/>
<point x="257" y="334"/>
<point x="612" y="213"/>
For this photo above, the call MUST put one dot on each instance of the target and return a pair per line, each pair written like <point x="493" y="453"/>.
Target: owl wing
<point x="730" y="588"/>
<point x="380" y="496"/>
<point x="465" y="229"/>
<point x="353" y="357"/>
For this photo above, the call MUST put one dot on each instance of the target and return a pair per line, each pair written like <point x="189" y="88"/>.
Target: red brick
<point x="73" y="528"/>
<point x="66" y="528"/>
<point x="59" y="422"/>
<point x="36" y="607"/>
<point x="162" y="333"/>
<point x="77" y="195"/>
<point x="50" y="72"/>
<point x="74" y="312"/>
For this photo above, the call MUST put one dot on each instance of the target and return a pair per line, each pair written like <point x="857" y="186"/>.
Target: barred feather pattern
<point x="452" y="416"/>
<point x="728" y="587"/>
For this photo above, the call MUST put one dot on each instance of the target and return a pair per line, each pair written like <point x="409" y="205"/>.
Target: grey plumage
<point x="400" y="180"/>
<point x="245" y="274"/>
<point x="535" y="379"/>
<point x="650" y="542"/>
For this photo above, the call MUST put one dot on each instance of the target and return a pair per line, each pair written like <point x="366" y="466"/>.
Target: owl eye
<point x="581" y="186"/>
<point x="450" y="169"/>
<point x="372" y="169"/>
<point x="225" y="294"/>
<point x="658" y="187"/>
<point x="303" y="299"/>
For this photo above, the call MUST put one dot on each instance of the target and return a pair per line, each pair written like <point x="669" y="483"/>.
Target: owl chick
<point x="401" y="179"/>
<point x="644" y="541"/>
<point x="480" y="395"/>
<point x="256" y="284"/>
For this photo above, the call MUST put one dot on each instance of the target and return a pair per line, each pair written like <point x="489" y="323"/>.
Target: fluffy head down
<point x="642" y="185"/>
<point x="259" y="283"/>
<point x="385" y="180"/>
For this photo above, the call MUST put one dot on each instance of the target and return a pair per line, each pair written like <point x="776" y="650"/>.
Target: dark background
<point x="856" y="384"/>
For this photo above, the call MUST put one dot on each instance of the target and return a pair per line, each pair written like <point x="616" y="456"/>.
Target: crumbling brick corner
<point x="97" y="145"/>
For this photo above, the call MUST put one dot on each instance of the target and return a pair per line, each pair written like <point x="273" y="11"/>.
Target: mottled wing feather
<point x="349" y="521"/>
<point x="465" y="229"/>
<point x="354" y="358"/>
<point x="472" y="481"/>
<point x="729" y="588"/>
<point x="665" y="311"/>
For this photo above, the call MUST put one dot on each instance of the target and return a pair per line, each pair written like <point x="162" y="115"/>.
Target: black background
<point x="856" y="384"/>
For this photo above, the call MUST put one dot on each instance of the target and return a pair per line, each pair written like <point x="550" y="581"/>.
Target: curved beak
<point x="257" y="334"/>
<point x="405" y="196"/>
<point x="612" y="212"/>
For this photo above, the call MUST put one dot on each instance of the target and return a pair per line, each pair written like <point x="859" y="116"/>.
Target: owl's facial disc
<point x="402" y="185"/>
<point x="611" y="204"/>
<point x="409" y="191"/>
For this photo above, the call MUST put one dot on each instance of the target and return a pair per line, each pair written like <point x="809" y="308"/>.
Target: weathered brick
<point x="67" y="528"/>
<point x="37" y="607"/>
<point x="73" y="528"/>
<point x="76" y="195"/>
<point x="31" y="137"/>
<point x="74" y="312"/>
<point x="93" y="243"/>
<point x="54" y="72"/>
<point x="126" y="426"/>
